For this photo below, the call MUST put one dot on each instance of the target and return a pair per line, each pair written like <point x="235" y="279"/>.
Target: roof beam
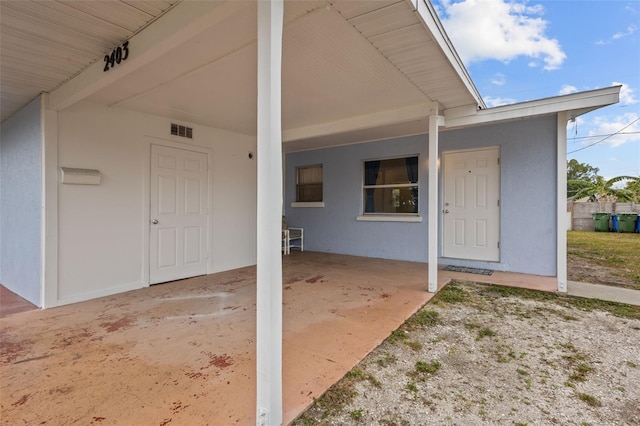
<point x="574" y="104"/>
<point x="182" y="23"/>
<point x="376" y="119"/>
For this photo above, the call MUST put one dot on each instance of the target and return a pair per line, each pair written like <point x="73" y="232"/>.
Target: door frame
<point x="442" y="195"/>
<point x="146" y="199"/>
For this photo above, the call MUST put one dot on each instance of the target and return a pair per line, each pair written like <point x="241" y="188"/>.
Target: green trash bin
<point x="601" y="221"/>
<point x="627" y="222"/>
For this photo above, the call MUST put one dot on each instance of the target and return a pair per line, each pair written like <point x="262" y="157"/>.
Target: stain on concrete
<point x="233" y="308"/>
<point x="315" y="279"/>
<point x="11" y="350"/>
<point x="64" y="390"/>
<point x="32" y="359"/>
<point x="21" y="401"/>
<point x="119" y="324"/>
<point x="291" y="280"/>
<point x="220" y="361"/>
<point x="71" y="337"/>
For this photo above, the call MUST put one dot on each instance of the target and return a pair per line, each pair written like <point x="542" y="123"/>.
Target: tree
<point x="634" y="186"/>
<point x="605" y="190"/>
<point x="582" y="172"/>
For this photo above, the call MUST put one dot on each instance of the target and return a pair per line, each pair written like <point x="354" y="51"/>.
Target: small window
<point x="309" y="184"/>
<point x="391" y="186"/>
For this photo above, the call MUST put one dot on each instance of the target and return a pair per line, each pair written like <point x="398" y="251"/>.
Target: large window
<point x="391" y="186"/>
<point x="309" y="184"/>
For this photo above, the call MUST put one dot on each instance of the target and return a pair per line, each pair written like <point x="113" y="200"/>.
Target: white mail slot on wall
<point x="80" y="176"/>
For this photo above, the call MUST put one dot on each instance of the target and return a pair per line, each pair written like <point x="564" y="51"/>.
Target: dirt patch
<point x="487" y="355"/>
<point x="605" y="258"/>
<point x="585" y="270"/>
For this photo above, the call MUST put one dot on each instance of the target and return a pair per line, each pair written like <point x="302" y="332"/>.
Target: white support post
<point x="434" y="121"/>
<point x="49" y="219"/>
<point x="269" y="268"/>
<point x="561" y="213"/>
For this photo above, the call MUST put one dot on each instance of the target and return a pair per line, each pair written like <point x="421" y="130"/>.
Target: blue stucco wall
<point x="20" y="202"/>
<point x="528" y="202"/>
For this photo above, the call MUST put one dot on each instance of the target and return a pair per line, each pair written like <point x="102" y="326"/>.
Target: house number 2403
<point x="119" y="54"/>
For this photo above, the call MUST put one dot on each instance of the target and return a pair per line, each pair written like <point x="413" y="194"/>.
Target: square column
<point x="561" y="214"/>
<point x="433" y="217"/>
<point x="269" y="409"/>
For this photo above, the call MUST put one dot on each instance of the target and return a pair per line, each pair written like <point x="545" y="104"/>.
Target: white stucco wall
<point x="527" y="197"/>
<point x="20" y="202"/>
<point x="103" y="241"/>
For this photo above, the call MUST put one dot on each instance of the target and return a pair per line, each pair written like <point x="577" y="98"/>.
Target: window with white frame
<point x="391" y="186"/>
<point x="309" y="184"/>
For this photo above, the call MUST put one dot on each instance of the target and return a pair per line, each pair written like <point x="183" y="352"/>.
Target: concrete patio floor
<point x="184" y="352"/>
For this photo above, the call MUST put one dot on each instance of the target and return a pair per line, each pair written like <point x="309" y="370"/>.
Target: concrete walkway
<point x="604" y="292"/>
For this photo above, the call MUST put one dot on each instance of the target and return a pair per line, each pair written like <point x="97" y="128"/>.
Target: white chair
<point x="291" y="237"/>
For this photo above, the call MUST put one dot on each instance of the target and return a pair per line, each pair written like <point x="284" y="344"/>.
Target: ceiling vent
<point x="182" y="131"/>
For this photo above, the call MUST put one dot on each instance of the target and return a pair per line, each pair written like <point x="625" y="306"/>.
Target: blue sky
<point x="522" y="50"/>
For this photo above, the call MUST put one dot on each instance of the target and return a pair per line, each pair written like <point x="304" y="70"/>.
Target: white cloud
<point x="617" y="36"/>
<point x="567" y="88"/>
<point x="630" y="30"/>
<point x="501" y="30"/>
<point x="626" y="94"/>
<point x="609" y="125"/>
<point x="495" y="102"/>
<point x="499" y="79"/>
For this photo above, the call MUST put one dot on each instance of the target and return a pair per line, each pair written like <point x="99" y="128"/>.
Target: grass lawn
<point x="604" y="258"/>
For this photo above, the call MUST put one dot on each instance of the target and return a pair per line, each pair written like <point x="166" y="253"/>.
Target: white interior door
<point x="178" y="214"/>
<point x="471" y="204"/>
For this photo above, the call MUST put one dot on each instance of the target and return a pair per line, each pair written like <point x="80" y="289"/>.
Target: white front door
<point x="471" y="204"/>
<point x="178" y="214"/>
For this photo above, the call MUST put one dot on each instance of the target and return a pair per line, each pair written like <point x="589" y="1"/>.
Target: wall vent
<point x="182" y="131"/>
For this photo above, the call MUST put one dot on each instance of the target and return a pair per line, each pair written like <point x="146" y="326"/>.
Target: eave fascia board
<point x="183" y="22"/>
<point x="428" y="16"/>
<point x="381" y="118"/>
<point x="574" y="104"/>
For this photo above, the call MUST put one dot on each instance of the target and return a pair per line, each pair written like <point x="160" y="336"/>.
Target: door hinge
<point x="498" y="202"/>
<point x="498" y="161"/>
<point x="498" y="244"/>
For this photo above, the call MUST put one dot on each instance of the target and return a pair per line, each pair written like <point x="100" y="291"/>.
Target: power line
<point x="599" y="136"/>
<point x="603" y="139"/>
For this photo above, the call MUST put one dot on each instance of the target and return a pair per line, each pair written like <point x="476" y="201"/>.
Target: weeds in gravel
<point x="394" y="420"/>
<point x="359" y="375"/>
<point x="485" y="332"/>
<point x="356" y="415"/>
<point x="337" y="397"/>
<point x="387" y="360"/>
<point x="632" y="364"/>
<point x="423" y="318"/>
<point x="423" y="367"/>
<point x="620" y="310"/>
<point x="580" y="373"/>
<point x="451" y="293"/>
<point x="589" y="399"/>
<point x="401" y="335"/>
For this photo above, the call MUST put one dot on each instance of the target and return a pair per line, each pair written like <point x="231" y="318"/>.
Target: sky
<point x="521" y="50"/>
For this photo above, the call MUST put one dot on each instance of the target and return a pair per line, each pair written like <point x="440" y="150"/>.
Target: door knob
<point x="154" y="221"/>
<point x="446" y="211"/>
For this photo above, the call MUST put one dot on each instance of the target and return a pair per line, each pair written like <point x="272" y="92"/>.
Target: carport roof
<point x="352" y="70"/>
<point x="341" y="59"/>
